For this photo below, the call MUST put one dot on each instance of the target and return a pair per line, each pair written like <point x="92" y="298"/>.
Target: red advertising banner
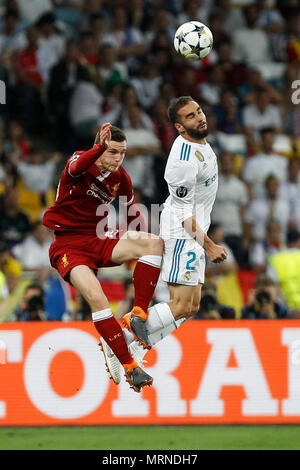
<point x="53" y="373"/>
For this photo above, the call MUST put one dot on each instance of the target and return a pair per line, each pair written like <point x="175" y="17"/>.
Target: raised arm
<point x="79" y="163"/>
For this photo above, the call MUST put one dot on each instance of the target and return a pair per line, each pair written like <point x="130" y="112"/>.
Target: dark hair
<point x="263" y="280"/>
<point x="176" y="105"/>
<point x="213" y="228"/>
<point x="292" y="236"/>
<point x="36" y="286"/>
<point x="117" y="135"/>
<point x="267" y="130"/>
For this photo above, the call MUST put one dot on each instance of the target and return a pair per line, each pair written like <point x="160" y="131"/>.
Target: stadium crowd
<point x="71" y="65"/>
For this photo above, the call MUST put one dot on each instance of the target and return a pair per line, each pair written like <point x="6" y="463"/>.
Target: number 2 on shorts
<point x="191" y="260"/>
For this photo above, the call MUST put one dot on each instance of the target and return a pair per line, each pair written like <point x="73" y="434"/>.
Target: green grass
<point x="265" y="437"/>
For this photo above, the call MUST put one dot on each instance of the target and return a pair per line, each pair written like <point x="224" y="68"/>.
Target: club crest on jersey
<point x="65" y="261"/>
<point x="187" y="276"/>
<point x="199" y="155"/>
<point x="181" y="191"/>
<point x="115" y="188"/>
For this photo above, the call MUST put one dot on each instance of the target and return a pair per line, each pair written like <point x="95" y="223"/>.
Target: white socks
<point x="102" y="315"/>
<point x="159" y="324"/>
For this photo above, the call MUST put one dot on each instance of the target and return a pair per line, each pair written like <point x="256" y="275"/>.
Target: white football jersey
<point x="192" y="176"/>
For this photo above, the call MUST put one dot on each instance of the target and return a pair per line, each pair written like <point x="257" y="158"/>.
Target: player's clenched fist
<point x="216" y="253"/>
<point x="105" y="134"/>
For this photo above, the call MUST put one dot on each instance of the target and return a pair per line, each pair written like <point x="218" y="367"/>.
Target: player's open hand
<point x="216" y="253"/>
<point x="105" y="134"/>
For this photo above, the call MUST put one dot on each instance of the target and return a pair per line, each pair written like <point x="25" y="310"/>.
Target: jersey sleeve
<point x="79" y="162"/>
<point x="181" y="178"/>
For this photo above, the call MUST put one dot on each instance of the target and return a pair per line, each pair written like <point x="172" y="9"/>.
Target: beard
<point x="195" y="134"/>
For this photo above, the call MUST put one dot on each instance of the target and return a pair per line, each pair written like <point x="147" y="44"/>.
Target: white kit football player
<point x="192" y="176"/>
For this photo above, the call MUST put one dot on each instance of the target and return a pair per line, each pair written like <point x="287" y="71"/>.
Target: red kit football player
<point x="90" y="181"/>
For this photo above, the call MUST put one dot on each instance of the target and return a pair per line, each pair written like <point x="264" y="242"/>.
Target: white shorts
<point x="183" y="262"/>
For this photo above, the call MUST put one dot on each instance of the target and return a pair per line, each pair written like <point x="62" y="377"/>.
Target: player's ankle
<point x="139" y="312"/>
<point x="131" y="365"/>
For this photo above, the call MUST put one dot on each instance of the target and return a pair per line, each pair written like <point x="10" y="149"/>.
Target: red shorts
<point x="69" y="250"/>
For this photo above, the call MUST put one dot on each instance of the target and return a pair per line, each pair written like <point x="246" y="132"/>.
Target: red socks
<point x="145" y="276"/>
<point x="111" y="331"/>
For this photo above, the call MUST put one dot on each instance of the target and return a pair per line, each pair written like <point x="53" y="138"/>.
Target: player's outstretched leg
<point x="83" y="278"/>
<point x="147" y="249"/>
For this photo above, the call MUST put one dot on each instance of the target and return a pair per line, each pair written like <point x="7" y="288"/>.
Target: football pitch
<point x="250" y="437"/>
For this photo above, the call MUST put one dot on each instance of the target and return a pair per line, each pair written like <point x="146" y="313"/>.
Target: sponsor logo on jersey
<point x="211" y="180"/>
<point x="65" y="261"/>
<point x="181" y="191"/>
<point x="98" y="193"/>
<point x="187" y="276"/>
<point x="199" y="155"/>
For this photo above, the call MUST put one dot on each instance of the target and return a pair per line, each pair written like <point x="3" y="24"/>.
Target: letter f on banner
<point x="2" y="92"/>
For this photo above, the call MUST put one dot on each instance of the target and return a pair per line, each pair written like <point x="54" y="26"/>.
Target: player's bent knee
<point x="96" y="300"/>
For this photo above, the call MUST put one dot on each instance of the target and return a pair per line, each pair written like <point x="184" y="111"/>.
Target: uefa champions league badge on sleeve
<point x="181" y="191"/>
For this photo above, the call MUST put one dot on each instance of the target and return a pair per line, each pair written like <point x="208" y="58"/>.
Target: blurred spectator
<point x="261" y="210"/>
<point x="194" y="10"/>
<point x="33" y="252"/>
<point x="82" y="311"/>
<point x="216" y="27"/>
<point x="228" y="266"/>
<point x="89" y="49"/>
<point x="263" y="164"/>
<point x="259" y="252"/>
<point x="285" y="42"/>
<point x="31" y="10"/>
<point x="269" y="19"/>
<point x="284" y="269"/>
<point x="110" y="70"/>
<point x="254" y="82"/>
<point x="251" y="44"/>
<point x="227" y="113"/>
<point x="28" y="88"/>
<point x="63" y="78"/>
<point x="164" y="129"/>
<point x="262" y="113"/>
<point x="14" y="224"/>
<point x="210" y="308"/>
<point x="97" y="28"/>
<point x="233" y="18"/>
<point x="291" y="190"/>
<point x="142" y="146"/>
<point x="31" y="307"/>
<point x="127" y="40"/>
<point x="51" y="44"/>
<point x="10" y="267"/>
<point x="211" y="90"/>
<point x="85" y="107"/>
<point x="147" y="85"/>
<point x="235" y="74"/>
<point x="16" y="142"/>
<point x="263" y="302"/>
<point x="37" y="174"/>
<point x="126" y="305"/>
<point x="229" y="206"/>
<point x="11" y="38"/>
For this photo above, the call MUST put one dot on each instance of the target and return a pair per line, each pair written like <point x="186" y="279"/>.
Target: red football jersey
<point x="84" y="192"/>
